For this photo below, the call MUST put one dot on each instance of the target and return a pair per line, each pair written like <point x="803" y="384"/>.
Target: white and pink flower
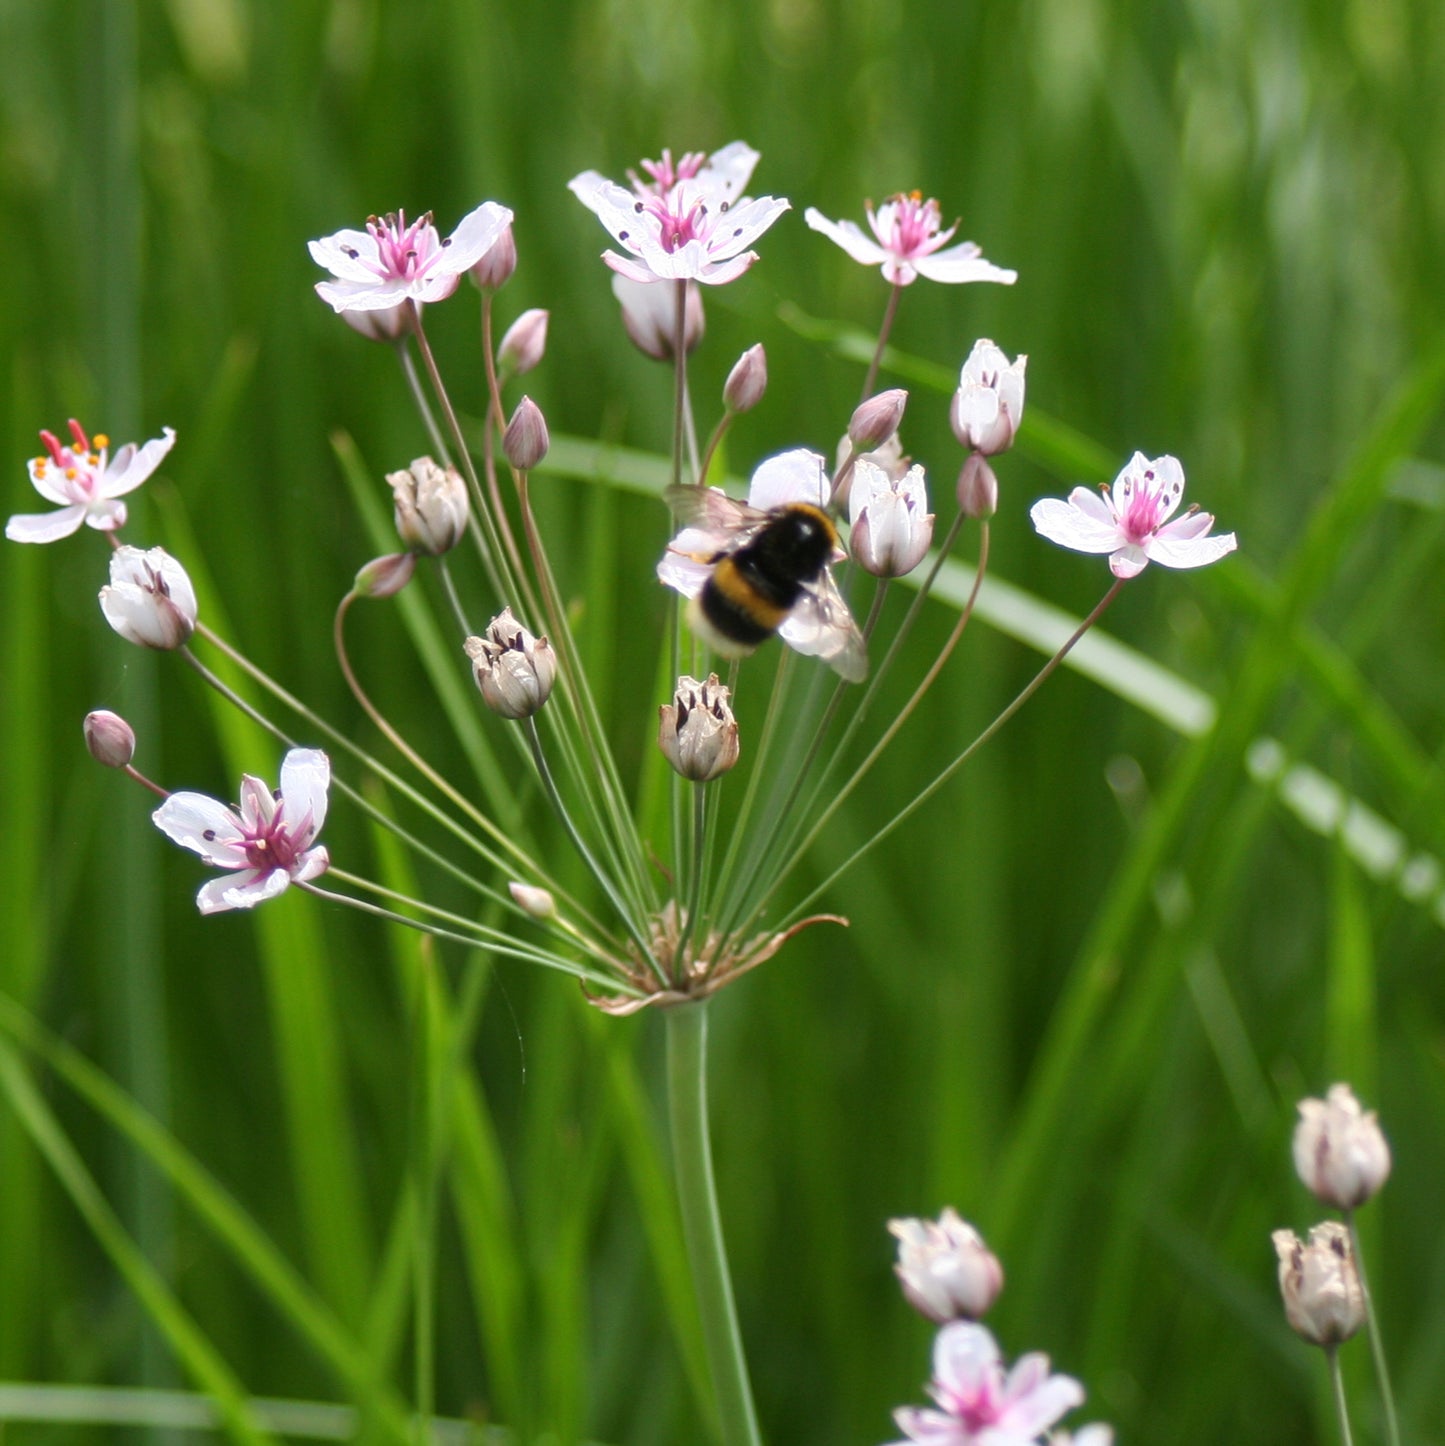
<point x="688" y="221"/>
<point x="149" y="600"/>
<point x="268" y="841"/>
<point x="395" y="261"/>
<point x="86" y="481"/>
<point x="892" y="527"/>
<point x="982" y="1404"/>
<point x="1131" y="520"/>
<point x="908" y="243"/>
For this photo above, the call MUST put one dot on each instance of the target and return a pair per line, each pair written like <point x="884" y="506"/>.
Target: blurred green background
<point x="1081" y="991"/>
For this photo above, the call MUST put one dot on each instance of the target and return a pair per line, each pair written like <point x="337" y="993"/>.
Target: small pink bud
<point x="514" y="670"/>
<point x="649" y="313"/>
<point x="385" y="576"/>
<point x="391" y="323"/>
<point x="977" y="487"/>
<point x="877" y="419"/>
<point x="498" y="262"/>
<point x="524" y="344"/>
<point x="747" y="381"/>
<point x="110" y="738"/>
<point x="525" y="441"/>
<point x="531" y="900"/>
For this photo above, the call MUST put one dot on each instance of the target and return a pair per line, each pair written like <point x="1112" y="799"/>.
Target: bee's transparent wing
<point x="821" y="625"/>
<point x="711" y="510"/>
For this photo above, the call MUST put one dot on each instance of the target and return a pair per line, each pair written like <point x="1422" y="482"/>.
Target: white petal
<point x="51" y="482"/>
<point x="962" y="263"/>
<point x="105" y="516"/>
<point x="585" y="186"/>
<point x="334" y="253"/>
<point x="1175" y="551"/>
<point x="743" y="225"/>
<point x="243" y="891"/>
<point x="436" y="286"/>
<point x="620" y="212"/>
<point x="372" y="294"/>
<point x="473" y="238"/>
<point x="632" y="270"/>
<point x="682" y="572"/>
<point x="305" y="777"/>
<point x="310" y="865"/>
<point x="729" y="170"/>
<point x="1070" y="526"/>
<point x="129" y="468"/>
<point x="1098" y="505"/>
<point x="45" y="526"/>
<point x="203" y="825"/>
<point x="1129" y="561"/>
<point x="848" y="236"/>
<point x="964" y="1354"/>
<point x="794" y="476"/>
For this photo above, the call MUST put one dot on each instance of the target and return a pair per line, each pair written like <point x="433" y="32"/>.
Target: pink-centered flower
<point x="686" y="222"/>
<point x="892" y="527"/>
<point x="85" y="480"/>
<point x="149" y="600"/>
<point x="909" y="244"/>
<point x="1131" y="520"/>
<point x="267" y="841"/>
<point x="395" y="260"/>
<point x="982" y="1404"/>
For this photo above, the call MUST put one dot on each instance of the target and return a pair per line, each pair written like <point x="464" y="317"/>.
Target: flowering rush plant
<point x="802" y="592"/>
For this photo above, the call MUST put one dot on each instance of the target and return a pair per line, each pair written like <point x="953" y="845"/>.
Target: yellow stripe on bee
<point x="738" y="591"/>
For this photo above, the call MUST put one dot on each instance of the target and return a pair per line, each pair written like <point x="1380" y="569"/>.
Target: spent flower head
<point x="149" y="600"/>
<point x="946" y="1270"/>
<point x="430" y="506"/>
<point x="697" y="732"/>
<point x="1324" y="1300"/>
<point x="85" y="480"/>
<point x="908" y="243"/>
<point x="269" y="840"/>
<point x="514" y="670"/>
<point x="1339" y="1149"/>
<point x="395" y="260"/>
<point x="1131" y="520"/>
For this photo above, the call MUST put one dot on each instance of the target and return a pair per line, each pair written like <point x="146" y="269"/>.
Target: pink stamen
<point x="52" y="445"/>
<point x="82" y="443"/>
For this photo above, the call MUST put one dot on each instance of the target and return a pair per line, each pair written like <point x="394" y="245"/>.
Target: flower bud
<point x="875" y="420"/>
<point x="531" y="900"/>
<point x="524" y="344"/>
<point x="1339" y="1150"/>
<point x="892" y="526"/>
<point x="430" y="506"/>
<point x="747" y="381"/>
<point x="497" y="263"/>
<point x="110" y="739"/>
<point x="513" y="669"/>
<point x="697" y="732"/>
<point x="525" y="441"/>
<point x="391" y="323"/>
<point x="977" y="487"/>
<point x="989" y="402"/>
<point x="947" y="1272"/>
<point x="150" y="600"/>
<point x="649" y="313"/>
<point x="385" y="576"/>
<point x="1320" y="1283"/>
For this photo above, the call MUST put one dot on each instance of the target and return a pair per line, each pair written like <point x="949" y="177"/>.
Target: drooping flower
<point x="892" y="526"/>
<point x="946" y="1270"/>
<point x="649" y="316"/>
<point x="268" y="840"/>
<point x="1339" y="1150"/>
<point x="989" y="402"/>
<point x="394" y="261"/>
<point x="85" y="480"/>
<point x="1131" y="521"/>
<point x="981" y="1403"/>
<point x="686" y="222"/>
<point x="523" y="344"/>
<point x="908" y="243"/>
<point x="149" y="600"/>
<point x="1324" y="1300"/>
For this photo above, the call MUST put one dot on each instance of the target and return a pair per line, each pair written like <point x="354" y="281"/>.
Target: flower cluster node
<point x="525" y="441"/>
<point x="1340" y="1152"/>
<point x="747" y="381"/>
<point x="514" y="670"/>
<point x="1324" y="1300"/>
<point x="946" y="1270"/>
<point x="697" y="732"/>
<point x="385" y="576"/>
<point x="150" y="600"/>
<point x="523" y="344"/>
<point x="110" y="739"/>
<point x="892" y="528"/>
<point x="430" y="506"/>
<point x="989" y="402"/>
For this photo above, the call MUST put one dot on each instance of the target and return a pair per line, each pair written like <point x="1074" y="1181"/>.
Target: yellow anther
<point x="101" y="440"/>
<point x="70" y="472"/>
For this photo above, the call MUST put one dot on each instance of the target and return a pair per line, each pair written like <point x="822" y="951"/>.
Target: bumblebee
<point x="771" y="572"/>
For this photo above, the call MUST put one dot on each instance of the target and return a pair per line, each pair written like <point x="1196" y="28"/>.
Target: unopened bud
<point x="697" y="732"/>
<point x="498" y="262"/>
<point x="534" y="901"/>
<point x="1339" y="1150"/>
<point x="110" y="738"/>
<point x="430" y="506"/>
<point x="875" y="420"/>
<point x="649" y="313"/>
<point x="525" y="441"/>
<point x="977" y="487"/>
<point x="989" y="403"/>
<point x="390" y="323"/>
<point x="150" y="599"/>
<point x="1324" y="1301"/>
<point x="946" y="1270"/>
<point x="385" y="576"/>
<point x="747" y="381"/>
<point x="513" y="669"/>
<point x="524" y="344"/>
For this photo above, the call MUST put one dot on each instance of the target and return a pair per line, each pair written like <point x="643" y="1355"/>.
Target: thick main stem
<point x="702" y="1225"/>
